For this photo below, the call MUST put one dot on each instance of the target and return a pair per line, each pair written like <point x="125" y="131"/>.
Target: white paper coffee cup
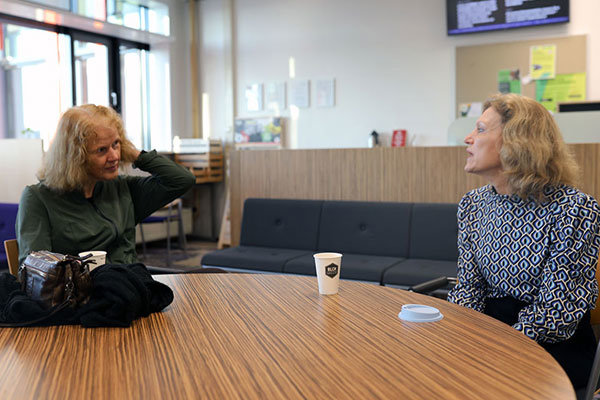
<point x="97" y="259"/>
<point x="328" y="267"/>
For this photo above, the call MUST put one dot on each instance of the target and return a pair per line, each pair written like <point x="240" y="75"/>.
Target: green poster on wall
<point x="564" y="88"/>
<point x="509" y="81"/>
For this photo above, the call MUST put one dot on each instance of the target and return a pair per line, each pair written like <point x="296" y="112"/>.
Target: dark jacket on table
<point x="120" y="294"/>
<point x="68" y="223"/>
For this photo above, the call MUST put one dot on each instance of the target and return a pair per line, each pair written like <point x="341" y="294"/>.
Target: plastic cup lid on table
<point x="419" y="313"/>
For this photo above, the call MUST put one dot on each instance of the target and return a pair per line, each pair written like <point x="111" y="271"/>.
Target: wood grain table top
<point x="249" y="336"/>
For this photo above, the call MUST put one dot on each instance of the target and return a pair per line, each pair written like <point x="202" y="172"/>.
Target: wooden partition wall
<point x="411" y="174"/>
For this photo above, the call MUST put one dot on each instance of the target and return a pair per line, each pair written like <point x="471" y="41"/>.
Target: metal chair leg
<point x="143" y="241"/>
<point x="182" y="239"/>
<point x="169" y="238"/>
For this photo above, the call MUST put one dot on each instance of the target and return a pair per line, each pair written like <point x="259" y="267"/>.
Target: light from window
<point x="91" y="73"/>
<point x="91" y="9"/>
<point x="134" y="107"/>
<point x="37" y="81"/>
<point x="63" y="4"/>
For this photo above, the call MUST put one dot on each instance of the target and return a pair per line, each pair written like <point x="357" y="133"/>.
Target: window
<point x="63" y="4"/>
<point x="152" y="17"/>
<point x="126" y="14"/>
<point x="36" y="79"/>
<point x="91" y="73"/>
<point x="149" y="15"/>
<point x="90" y="8"/>
<point x="134" y="91"/>
<point x="45" y="69"/>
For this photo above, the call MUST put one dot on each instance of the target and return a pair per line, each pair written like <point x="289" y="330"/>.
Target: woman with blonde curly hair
<point x="528" y="242"/>
<point x="81" y="202"/>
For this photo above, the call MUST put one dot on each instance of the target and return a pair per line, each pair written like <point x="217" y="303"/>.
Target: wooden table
<point x="246" y="336"/>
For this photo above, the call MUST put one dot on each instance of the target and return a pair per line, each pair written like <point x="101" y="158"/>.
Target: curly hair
<point x="533" y="154"/>
<point x="64" y="167"/>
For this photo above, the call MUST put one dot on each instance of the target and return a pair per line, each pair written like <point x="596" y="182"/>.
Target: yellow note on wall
<point x="542" y="61"/>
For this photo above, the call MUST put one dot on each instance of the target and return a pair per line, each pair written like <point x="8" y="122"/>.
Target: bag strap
<point x="67" y="302"/>
<point x="43" y="318"/>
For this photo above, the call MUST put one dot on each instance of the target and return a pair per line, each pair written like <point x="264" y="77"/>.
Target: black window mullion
<point x="114" y="75"/>
<point x="73" y="72"/>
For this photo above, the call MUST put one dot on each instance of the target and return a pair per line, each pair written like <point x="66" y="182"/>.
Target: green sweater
<point x="68" y="223"/>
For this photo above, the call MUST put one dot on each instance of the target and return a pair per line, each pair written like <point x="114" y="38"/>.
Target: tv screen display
<point x="468" y="16"/>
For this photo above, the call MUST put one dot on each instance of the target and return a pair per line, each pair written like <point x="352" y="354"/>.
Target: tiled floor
<point x="156" y="253"/>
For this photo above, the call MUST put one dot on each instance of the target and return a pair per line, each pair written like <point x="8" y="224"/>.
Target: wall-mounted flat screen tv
<point x="469" y="16"/>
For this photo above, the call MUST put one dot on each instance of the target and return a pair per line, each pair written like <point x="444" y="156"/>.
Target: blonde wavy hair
<point x="533" y="154"/>
<point x="65" y="165"/>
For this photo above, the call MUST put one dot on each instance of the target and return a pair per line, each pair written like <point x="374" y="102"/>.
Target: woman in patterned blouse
<point x="528" y="241"/>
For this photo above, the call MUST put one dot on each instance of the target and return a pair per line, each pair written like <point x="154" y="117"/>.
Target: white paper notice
<point x="275" y="96"/>
<point x="325" y="92"/>
<point x="300" y="93"/>
<point x="254" y="97"/>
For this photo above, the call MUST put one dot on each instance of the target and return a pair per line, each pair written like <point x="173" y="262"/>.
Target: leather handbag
<point x="56" y="280"/>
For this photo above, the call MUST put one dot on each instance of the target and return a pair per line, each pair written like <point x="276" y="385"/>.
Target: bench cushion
<point x="434" y="232"/>
<point x="288" y="224"/>
<point x="357" y="227"/>
<point x="413" y="271"/>
<point x="252" y="257"/>
<point x="354" y="266"/>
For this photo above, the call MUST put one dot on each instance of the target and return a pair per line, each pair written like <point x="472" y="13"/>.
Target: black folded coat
<point x="120" y="294"/>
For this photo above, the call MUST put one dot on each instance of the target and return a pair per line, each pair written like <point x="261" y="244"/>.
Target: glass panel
<point x="91" y="8"/>
<point x="126" y="14"/>
<point x="91" y="73"/>
<point x="151" y="16"/>
<point x="158" y="18"/>
<point x="64" y="4"/>
<point x="134" y="98"/>
<point x="160" y="98"/>
<point x="35" y="76"/>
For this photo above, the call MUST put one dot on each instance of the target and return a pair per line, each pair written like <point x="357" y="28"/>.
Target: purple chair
<point x="8" y="216"/>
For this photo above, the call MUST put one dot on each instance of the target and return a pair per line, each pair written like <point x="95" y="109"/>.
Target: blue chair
<point x="174" y="211"/>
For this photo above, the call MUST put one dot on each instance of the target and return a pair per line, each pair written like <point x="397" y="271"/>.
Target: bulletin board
<point x="477" y="66"/>
<point x="265" y="132"/>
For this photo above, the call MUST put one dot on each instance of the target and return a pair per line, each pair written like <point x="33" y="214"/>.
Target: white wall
<point x="20" y="160"/>
<point x="181" y="108"/>
<point x="393" y="63"/>
<point x="215" y="65"/>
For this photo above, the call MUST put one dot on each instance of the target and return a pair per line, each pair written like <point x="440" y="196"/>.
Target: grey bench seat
<point x="360" y="267"/>
<point x="271" y="259"/>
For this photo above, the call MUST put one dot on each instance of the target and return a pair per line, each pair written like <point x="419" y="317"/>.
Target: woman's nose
<point x="113" y="154"/>
<point x="469" y="138"/>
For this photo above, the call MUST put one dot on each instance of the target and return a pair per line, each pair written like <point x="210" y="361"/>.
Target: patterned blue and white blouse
<point x="544" y="254"/>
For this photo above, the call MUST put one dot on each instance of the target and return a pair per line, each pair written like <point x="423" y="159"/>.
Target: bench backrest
<point x="434" y="231"/>
<point x="375" y="228"/>
<point x="281" y="223"/>
<point x="409" y="230"/>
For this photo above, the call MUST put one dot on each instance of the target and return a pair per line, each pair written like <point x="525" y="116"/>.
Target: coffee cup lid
<point x="419" y="313"/>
